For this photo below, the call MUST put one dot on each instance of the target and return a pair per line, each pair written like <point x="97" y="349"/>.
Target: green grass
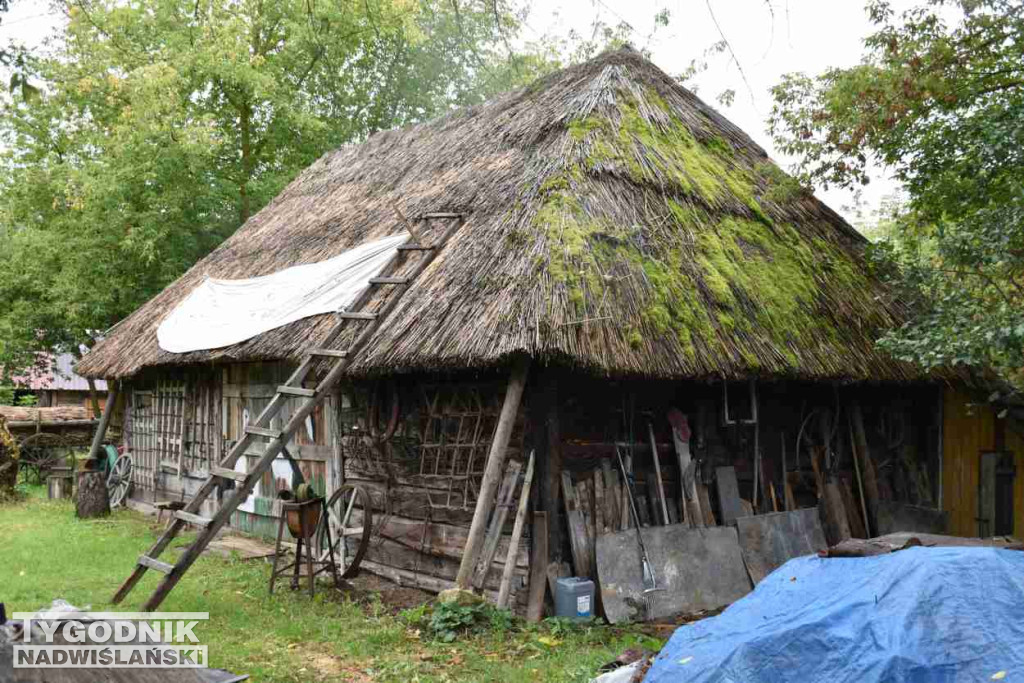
<point x="47" y="553"/>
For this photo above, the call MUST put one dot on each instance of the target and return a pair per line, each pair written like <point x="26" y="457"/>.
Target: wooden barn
<point x="627" y="273"/>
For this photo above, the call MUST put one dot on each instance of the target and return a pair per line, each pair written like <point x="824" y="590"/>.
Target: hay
<point x="617" y="224"/>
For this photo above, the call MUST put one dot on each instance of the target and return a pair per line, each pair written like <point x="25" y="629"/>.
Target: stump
<point x="93" y="500"/>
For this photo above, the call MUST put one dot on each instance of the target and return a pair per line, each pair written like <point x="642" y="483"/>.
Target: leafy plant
<point x="938" y="98"/>
<point x="447" y="621"/>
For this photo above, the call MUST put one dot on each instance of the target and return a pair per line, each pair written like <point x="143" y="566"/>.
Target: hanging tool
<point x="649" y="582"/>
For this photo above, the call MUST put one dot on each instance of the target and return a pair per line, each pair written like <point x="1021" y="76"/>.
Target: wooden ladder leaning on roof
<point x="260" y="428"/>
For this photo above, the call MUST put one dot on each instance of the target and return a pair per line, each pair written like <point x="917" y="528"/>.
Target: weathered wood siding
<point x="971" y="428"/>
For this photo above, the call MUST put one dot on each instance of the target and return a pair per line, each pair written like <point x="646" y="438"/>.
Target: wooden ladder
<point x="278" y="438"/>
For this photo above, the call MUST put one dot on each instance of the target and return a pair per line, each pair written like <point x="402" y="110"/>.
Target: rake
<point x="649" y="583"/>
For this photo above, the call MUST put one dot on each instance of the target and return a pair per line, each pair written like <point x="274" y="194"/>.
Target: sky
<point x="770" y="38"/>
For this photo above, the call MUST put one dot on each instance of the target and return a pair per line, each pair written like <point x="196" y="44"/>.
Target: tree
<point x="939" y="100"/>
<point x="162" y="125"/>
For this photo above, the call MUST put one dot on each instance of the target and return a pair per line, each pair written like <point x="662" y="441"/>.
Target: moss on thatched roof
<point x="615" y="223"/>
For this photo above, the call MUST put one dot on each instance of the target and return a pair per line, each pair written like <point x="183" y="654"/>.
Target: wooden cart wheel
<point x="350" y="518"/>
<point x="120" y="480"/>
<point x="42" y="452"/>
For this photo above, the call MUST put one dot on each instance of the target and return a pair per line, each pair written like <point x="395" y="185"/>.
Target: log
<point x="493" y="471"/>
<point x="517" y="534"/>
<point x="93" y="500"/>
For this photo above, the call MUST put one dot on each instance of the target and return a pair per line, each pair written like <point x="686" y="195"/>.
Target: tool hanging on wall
<point x="649" y="583"/>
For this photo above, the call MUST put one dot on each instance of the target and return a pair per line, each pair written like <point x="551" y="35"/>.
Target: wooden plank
<point x="492" y="471"/>
<point x="356" y="315"/>
<point x="538" y="567"/>
<point x="192" y="519"/>
<point x="577" y="528"/>
<point x="705" y="505"/>
<point x="328" y="353"/>
<point x="225" y="473"/>
<point x="681" y="439"/>
<point x="855" y="520"/>
<point x="517" y="534"/>
<point x="389" y="280"/>
<point x="504" y="502"/>
<point x="296" y="391"/>
<point x="262" y="431"/>
<point x="150" y="563"/>
<point x="729" y="505"/>
<point x="600" y="525"/>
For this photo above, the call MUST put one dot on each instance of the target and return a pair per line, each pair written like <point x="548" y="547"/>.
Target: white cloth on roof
<point x="220" y="313"/>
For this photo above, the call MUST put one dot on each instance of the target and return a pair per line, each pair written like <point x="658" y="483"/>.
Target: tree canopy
<point x="162" y="125"/>
<point x="938" y="99"/>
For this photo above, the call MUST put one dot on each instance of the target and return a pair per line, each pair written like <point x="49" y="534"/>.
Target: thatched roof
<point x="616" y="223"/>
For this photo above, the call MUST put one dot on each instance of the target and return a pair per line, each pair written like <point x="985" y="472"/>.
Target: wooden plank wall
<point x="422" y="479"/>
<point x="171" y="422"/>
<point x="969" y="429"/>
<point x="247" y="390"/>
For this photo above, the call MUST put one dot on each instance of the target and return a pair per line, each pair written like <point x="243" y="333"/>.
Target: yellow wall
<point x="967" y="431"/>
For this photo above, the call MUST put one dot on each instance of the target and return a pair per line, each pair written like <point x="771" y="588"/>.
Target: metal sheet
<point x="769" y="541"/>
<point x="696" y="569"/>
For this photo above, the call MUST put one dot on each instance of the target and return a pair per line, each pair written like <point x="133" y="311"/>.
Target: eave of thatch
<point x="615" y="223"/>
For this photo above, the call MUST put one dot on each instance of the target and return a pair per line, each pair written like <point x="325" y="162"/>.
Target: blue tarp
<point x="922" y="614"/>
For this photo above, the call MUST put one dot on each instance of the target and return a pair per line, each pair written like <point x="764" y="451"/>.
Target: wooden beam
<point x="517" y="534"/>
<point x="493" y="471"/>
<point x="101" y="429"/>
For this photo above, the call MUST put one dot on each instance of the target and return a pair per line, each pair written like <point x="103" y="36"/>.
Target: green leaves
<point x="940" y="104"/>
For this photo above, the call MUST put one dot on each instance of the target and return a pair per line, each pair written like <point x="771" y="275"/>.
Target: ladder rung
<point x="328" y="353"/>
<point x="415" y="247"/>
<point x="443" y="215"/>
<point x="389" y="280"/>
<point x="225" y="473"/>
<point x="192" y="519"/>
<point x="296" y="391"/>
<point x="259" y="431"/>
<point x="357" y="315"/>
<point x="147" y="561"/>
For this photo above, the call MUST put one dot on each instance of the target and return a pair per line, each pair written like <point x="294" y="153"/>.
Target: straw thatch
<point x="616" y="223"/>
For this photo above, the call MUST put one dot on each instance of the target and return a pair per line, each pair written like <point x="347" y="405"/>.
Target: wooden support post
<point x="492" y="472"/>
<point x="101" y="428"/>
<point x="517" y="534"/>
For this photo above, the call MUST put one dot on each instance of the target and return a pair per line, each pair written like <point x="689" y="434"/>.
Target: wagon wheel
<point x="349" y="516"/>
<point x="41" y="453"/>
<point x="120" y="479"/>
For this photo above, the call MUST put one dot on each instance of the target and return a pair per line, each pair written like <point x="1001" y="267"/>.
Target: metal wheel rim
<point x="340" y="508"/>
<point x="120" y="479"/>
